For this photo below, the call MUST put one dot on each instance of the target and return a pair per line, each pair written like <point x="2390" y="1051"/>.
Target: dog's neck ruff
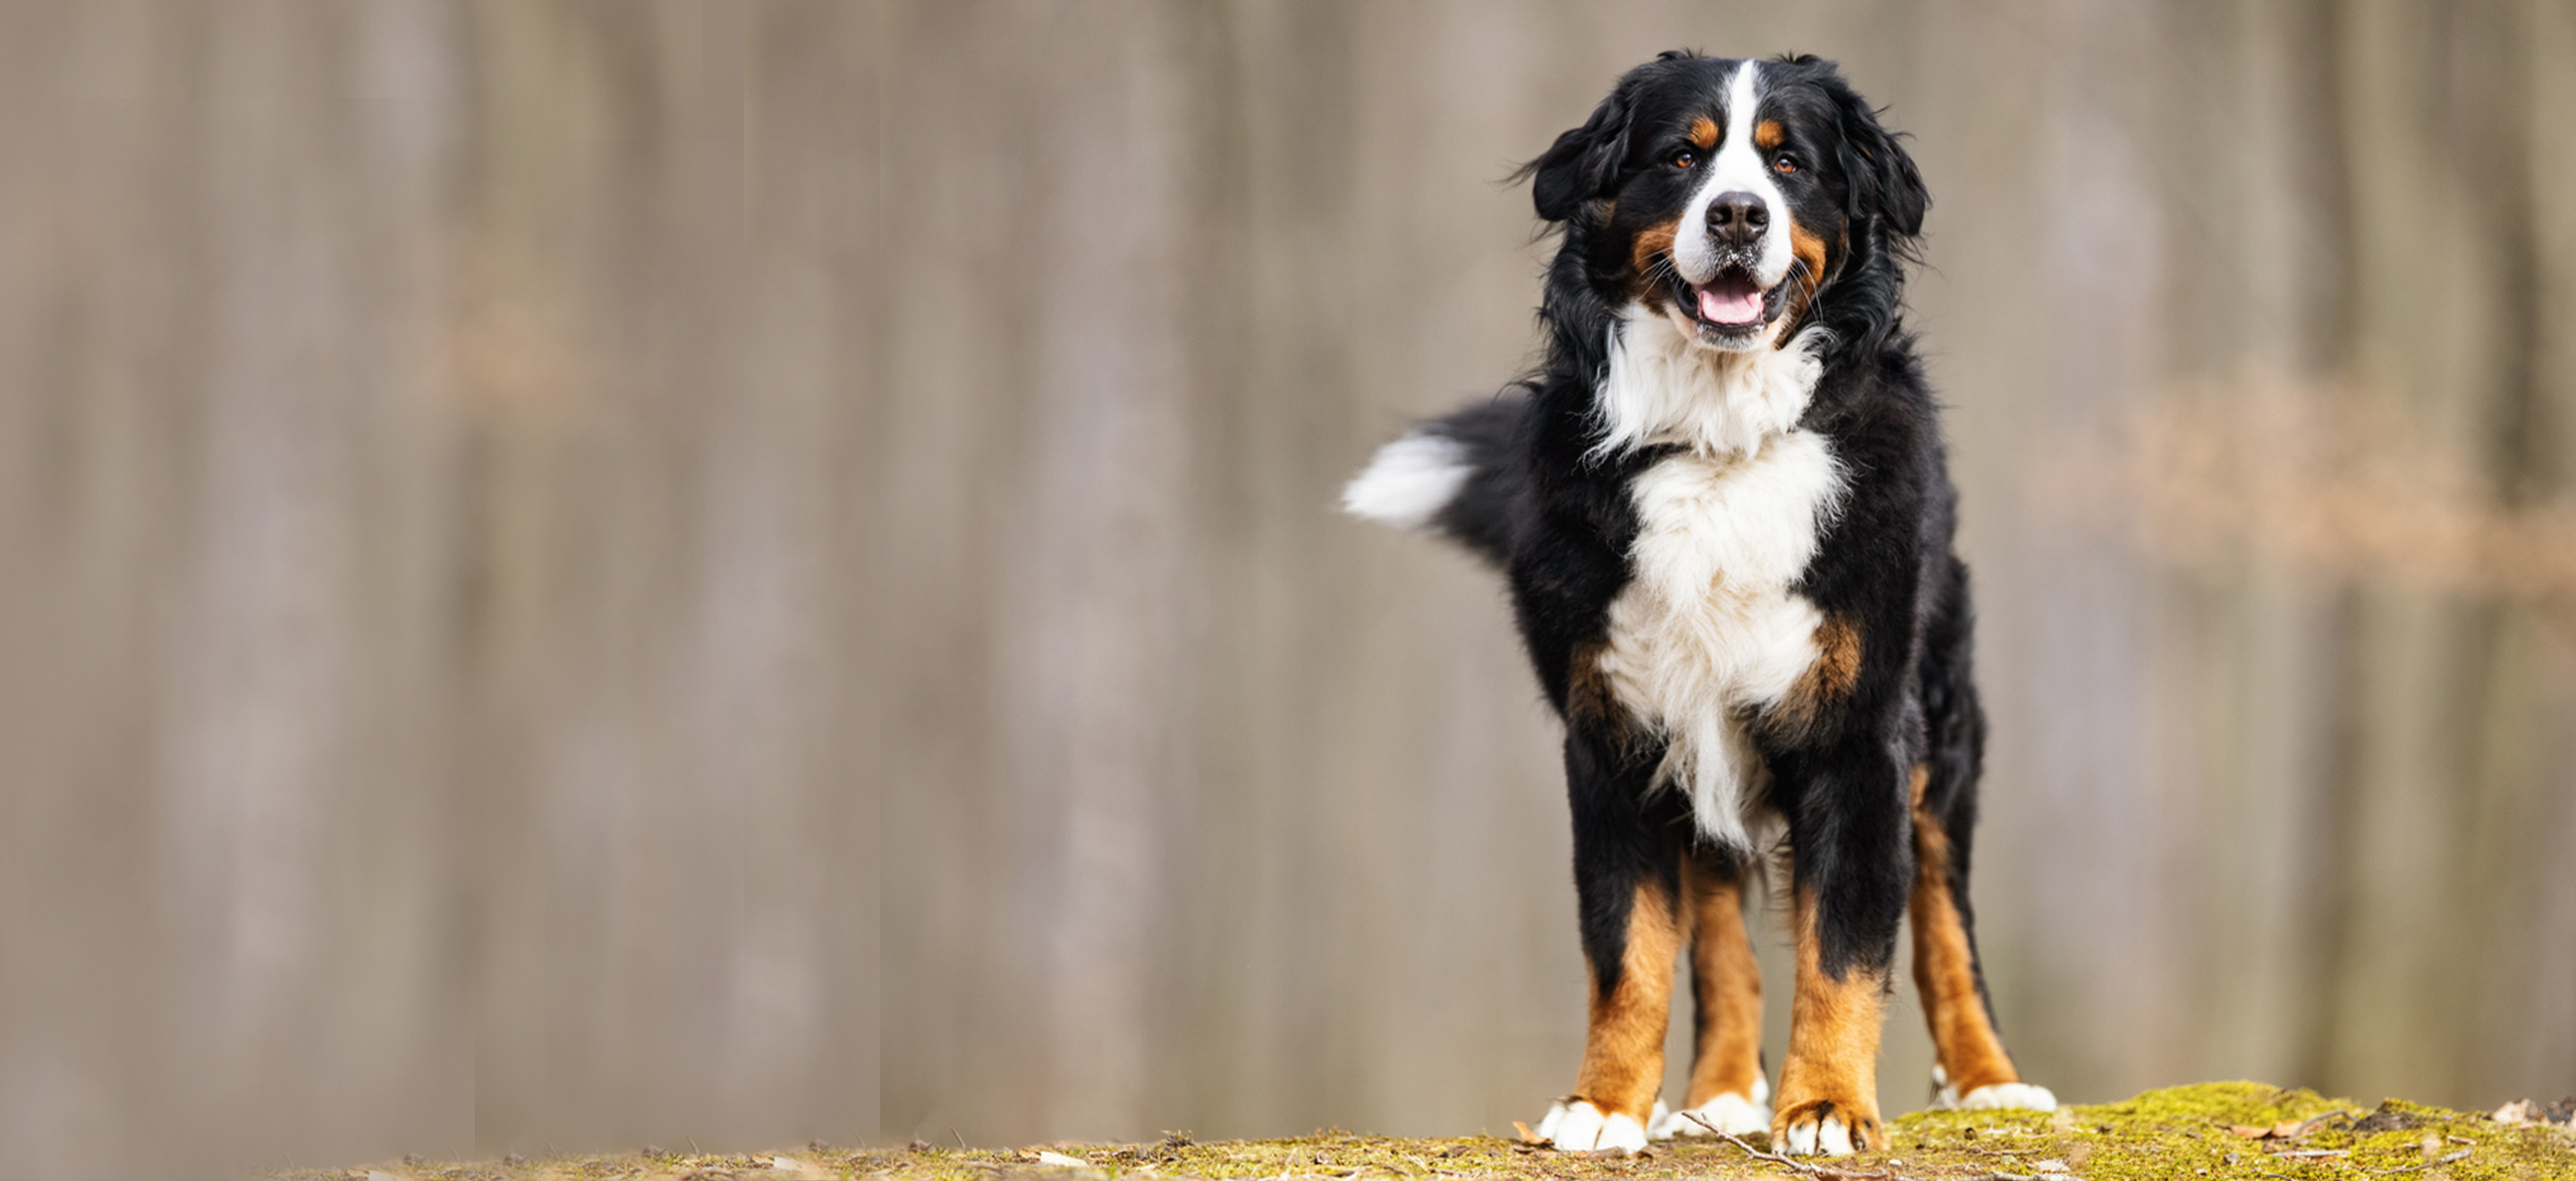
<point x="1665" y="386"/>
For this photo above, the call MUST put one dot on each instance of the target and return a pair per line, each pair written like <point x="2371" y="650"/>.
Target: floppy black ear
<point x="1884" y="183"/>
<point x="1583" y="164"/>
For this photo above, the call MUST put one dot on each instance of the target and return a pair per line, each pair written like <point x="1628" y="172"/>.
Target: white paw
<point x="2009" y="1095"/>
<point x="1730" y="1115"/>
<point x="1824" y="1137"/>
<point x="1580" y="1127"/>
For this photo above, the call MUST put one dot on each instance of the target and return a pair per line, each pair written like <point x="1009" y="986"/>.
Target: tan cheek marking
<point x="1832" y="1067"/>
<point x="1827" y="681"/>
<point x="1945" y="965"/>
<point x="1767" y="134"/>
<point x="1703" y="132"/>
<point x="1808" y="248"/>
<point x="1652" y="244"/>
<point x="1726" y="986"/>
<point x="1623" y="1051"/>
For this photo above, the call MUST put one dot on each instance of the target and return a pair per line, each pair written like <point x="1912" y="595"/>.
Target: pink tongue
<point x="1744" y="307"/>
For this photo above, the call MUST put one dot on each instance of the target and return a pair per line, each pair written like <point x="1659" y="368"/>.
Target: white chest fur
<point x="1708" y="629"/>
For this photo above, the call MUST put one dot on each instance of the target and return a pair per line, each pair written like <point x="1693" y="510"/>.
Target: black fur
<point x="1561" y="523"/>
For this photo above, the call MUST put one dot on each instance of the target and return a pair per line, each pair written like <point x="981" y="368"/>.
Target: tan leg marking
<point x="1726" y="985"/>
<point x="1832" y="1068"/>
<point x="1945" y="970"/>
<point x="1623" y="1052"/>
<point x="1825" y="683"/>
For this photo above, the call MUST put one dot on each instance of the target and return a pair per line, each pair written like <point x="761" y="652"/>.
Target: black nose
<point x="1738" y="218"/>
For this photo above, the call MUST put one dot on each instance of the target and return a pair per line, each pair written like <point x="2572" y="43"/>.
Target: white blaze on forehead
<point x="1738" y="167"/>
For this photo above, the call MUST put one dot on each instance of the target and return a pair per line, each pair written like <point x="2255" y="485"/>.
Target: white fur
<point x="2017" y="1096"/>
<point x="1738" y="167"/>
<point x="1992" y="1096"/>
<point x="1667" y="385"/>
<point x="1825" y="1137"/>
<point x="1409" y="481"/>
<point x="1707" y="629"/>
<point x="1728" y="1114"/>
<point x="1580" y="1127"/>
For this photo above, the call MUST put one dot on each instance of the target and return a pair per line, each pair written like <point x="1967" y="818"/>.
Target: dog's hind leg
<point x="1727" y="1092"/>
<point x="1972" y="1069"/>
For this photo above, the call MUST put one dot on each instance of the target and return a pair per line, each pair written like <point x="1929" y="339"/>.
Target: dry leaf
<point x="1530" y="1137"/>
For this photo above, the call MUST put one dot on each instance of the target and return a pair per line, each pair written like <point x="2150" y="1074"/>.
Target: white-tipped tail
<point x="1409" y="482"/>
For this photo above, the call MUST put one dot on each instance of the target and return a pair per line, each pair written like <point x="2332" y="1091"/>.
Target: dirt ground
<point x="2214" y="1130"/>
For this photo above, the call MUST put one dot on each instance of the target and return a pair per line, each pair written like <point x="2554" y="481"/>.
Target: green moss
<point x="2188" y="1132"/>
<point x="2180" y="1132"/>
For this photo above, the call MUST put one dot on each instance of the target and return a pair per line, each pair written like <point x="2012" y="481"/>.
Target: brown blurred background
<point x="582" y="574"/>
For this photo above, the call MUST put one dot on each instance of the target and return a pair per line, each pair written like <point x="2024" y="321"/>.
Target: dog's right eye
<point x="1685" y="158"/>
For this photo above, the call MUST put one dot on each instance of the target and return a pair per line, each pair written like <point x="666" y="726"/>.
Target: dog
<point x="1722" y="504"/>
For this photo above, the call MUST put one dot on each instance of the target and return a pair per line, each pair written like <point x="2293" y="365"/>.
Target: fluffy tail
<point x="1459" y="476"/>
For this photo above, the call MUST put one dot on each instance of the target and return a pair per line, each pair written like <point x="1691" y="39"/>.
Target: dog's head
<point x="1744" y="199"/>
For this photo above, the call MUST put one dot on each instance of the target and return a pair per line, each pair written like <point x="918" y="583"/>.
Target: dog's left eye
<point x="1685" y="158"/>
<point x="1784" y="164"/>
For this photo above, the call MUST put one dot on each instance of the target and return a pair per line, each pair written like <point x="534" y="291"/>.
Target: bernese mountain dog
<point x="1722" y="506"/>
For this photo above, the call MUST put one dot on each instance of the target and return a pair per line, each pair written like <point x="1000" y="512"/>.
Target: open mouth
<point x="1732" y="303"/>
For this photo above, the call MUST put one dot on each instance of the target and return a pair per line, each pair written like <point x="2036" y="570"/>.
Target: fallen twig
<point x="1775" y="1158"/>
<point x="1737" y="1141"/>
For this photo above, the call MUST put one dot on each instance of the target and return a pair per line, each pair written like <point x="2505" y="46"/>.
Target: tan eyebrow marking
<point x="1768" y="133"/>
<point x="1703" y="131"/>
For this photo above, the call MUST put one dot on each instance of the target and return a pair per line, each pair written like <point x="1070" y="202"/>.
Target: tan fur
<point x="1832" y="1067"/>
<point x="1590" y="698"/>
<point x="1726" y="984"/>
<point x="1703" y="132"/>
<point x="1652" y="243"/>
<point x="1768" y="133"/>
<point x="1828" y="680"/>
<point x="1623" y="1051"/>
<point x="1944" y="970"/>
<point x="1808" y="248"/>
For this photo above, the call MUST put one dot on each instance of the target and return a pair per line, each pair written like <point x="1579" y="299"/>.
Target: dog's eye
<point x="1685" y="158"/>
<point x="1784" y="164"/>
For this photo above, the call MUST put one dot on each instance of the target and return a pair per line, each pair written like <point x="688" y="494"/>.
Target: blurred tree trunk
<point x="578" y="569"/>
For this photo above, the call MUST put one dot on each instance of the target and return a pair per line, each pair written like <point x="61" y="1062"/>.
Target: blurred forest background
<point x="582" y="574"/>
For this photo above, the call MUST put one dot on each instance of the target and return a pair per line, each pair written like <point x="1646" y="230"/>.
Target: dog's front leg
<point x="1627" y="867"/>
<point x="1852" y="864"/>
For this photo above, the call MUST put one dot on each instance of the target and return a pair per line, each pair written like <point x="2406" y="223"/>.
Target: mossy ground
<point x="2184" y="1132"/>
